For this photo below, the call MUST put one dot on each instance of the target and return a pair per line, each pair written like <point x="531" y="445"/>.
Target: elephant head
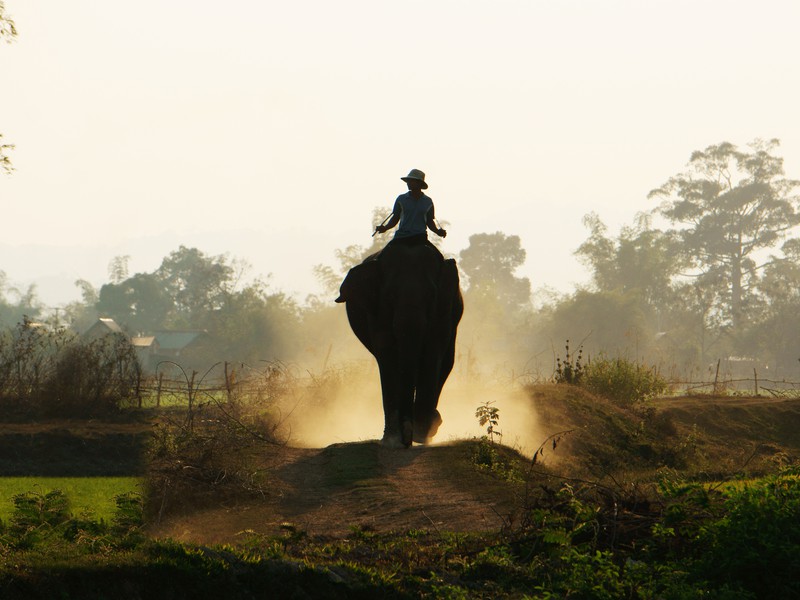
<point x="404" y="305"/>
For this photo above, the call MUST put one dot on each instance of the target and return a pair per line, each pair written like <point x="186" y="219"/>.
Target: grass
<point x="93" y="495"/>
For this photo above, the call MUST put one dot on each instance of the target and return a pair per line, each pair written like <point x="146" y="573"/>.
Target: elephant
<point x="404" y="304"/>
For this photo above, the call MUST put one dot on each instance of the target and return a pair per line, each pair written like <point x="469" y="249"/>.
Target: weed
<point x="571" y="369"/>
<point x="489" y="415"/>
<point x="623" y="381"/>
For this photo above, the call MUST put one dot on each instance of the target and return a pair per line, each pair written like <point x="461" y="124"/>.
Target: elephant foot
<point x="408" y="433"/>
<point x="424" y="434"/>
<point x="392" y="441"/>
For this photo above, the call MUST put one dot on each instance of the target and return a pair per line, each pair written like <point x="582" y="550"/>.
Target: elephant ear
<point x="450" y="307"/>
<point x="361" y="285"/>
<point x="449" y="296"/>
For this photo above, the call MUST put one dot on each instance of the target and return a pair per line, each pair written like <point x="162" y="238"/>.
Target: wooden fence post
<point x="716" y="378"/>
<point x="158" y="390"/>
<point x="755" y="377"/>
<point x="191" y="400"/>
<point x="228" y="377"/>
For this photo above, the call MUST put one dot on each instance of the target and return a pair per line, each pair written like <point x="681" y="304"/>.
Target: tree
<point x="331" y="277"/>
<point x="26" y="304"/>
<point x="776" y="335"/>
<point x="118" y="268"/>
<point x="198" y="284"/>
<point x="255" y="325"/>
<point x="489" y="264"/>
<point x="140" y="303"/>
<point x="606" y="321"/>
<point x="5" y="161"/>
<point x="731" y="204"/>
<point x="7" y="32"/>
<point x="641" y="259"/>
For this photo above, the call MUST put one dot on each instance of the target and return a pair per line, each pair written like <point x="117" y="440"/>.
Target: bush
<point x="757" y="542"/>
<point x="92" y="378"/>
<point x="623" y="381"/>
<point x="49" y="372"/>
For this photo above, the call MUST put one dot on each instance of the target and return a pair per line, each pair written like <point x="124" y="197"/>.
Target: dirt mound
<point x="365" y="486"/>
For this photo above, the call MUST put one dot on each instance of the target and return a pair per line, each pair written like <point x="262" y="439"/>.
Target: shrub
<point x="757" y="542"/>
<point x="571" y="369"/>
<point x="94" y="378"/>
<point x="622" y="380"/>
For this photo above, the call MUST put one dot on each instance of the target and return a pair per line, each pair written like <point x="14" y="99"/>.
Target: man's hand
<point x="441" y="232"/>
<point x="380" y="229"/>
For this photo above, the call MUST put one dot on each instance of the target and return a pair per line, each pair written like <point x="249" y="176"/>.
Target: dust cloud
<point x="343" y="404"/>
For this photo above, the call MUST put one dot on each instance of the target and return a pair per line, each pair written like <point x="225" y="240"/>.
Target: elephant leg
<point x="426" y="418"/>
<point x="392" y="428"/>
<point x="406" y="409"/>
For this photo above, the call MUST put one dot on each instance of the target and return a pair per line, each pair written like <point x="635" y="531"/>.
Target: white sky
<point x="271" y="129"/>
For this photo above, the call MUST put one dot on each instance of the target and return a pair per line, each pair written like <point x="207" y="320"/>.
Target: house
<point x="188" y="348"/>
<point x="184" y="347"/>
<point x="146" y="348"/>
<point x="102" y="327"/>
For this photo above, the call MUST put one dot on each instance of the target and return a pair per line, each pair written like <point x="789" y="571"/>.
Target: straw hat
<point x="418" y="175"/>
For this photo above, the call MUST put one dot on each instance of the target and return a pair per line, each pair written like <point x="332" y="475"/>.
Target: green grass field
<point x="93" y="495"/>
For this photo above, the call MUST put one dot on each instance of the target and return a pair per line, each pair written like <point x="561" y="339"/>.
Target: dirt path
<point x="333" y="490"/>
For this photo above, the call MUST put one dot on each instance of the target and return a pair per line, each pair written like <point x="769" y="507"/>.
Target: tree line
<point x="711" y="270"/>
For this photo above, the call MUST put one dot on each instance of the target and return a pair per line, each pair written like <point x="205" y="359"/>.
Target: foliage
<point x="92" y="378"/>
<point x="641" y="259"/>
<point x="489" y="263"/>
<point x="571" y="369"/>
<point x="576" y="539"/>
<point x="25" y="306"/>
<point x="8" y="31"/>
<point x="94" y="495"/>
<point x="7" y="28"/>
<point x="489" y="415"/>
<point x="212" y="450"/>
<point x="731" y="204"/>
<point x="613" y="321"/>
<point x="756" y="541"/>
<point x="199" y="292"/>
<point x="5" y="161"/>
<point x="622" y="380"/>
<point x="52" y="371"/>
<point x="487" y="453"/>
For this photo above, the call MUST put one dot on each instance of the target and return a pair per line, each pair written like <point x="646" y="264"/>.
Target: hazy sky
<point x="272" y="129"/>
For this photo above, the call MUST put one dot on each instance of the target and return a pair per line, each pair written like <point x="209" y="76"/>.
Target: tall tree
<point x="197" y="283"/>
<point x="640" y="259"/>
<point x="489" y="262"/>
<point x="730" y="204"/>
<point x="140" y="303"/>
<point x="118" y="268"/>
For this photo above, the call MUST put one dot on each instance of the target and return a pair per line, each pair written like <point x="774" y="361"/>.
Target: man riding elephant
<point x="404" y="304"/>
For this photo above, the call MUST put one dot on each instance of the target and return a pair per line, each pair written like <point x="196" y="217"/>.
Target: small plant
<point x="489" y="415"/>
<point x="571" y="369"/>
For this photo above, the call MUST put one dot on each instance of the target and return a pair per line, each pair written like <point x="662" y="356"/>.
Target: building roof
<point x="103" y="326"/>
<point x="177" y="340"/>
<point x="143" y="341"/>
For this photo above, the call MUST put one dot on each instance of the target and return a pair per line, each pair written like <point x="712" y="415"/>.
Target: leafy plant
<point x="489" y="415"/>
<point x="571" y="369"/>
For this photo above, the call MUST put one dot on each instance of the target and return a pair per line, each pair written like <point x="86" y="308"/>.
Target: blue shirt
<point x="413" y="214"/>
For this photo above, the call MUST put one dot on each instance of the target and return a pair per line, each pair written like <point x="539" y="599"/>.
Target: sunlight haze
<point x="271" y="131"/>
